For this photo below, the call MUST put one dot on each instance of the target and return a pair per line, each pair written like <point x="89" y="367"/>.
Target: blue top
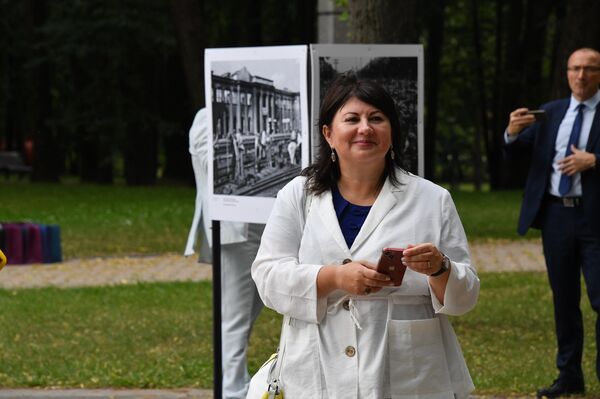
<point x="351" y="217"/>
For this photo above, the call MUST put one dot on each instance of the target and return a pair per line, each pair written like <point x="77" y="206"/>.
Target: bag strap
<point x="275" y="372"/>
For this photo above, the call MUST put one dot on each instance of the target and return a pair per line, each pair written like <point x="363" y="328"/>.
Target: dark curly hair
<point x="323" y="174"/>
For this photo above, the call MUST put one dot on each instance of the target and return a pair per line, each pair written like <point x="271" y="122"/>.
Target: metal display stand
<point x="216" y="280"/>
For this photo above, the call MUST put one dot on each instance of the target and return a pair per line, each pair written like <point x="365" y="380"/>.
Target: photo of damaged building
<point x="257" y="133"/>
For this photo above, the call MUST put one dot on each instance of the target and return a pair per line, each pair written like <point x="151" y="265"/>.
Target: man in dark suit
<point x="562" y="198"/>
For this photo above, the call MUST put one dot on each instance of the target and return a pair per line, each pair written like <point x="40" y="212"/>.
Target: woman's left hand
<point x="423" y="258"/>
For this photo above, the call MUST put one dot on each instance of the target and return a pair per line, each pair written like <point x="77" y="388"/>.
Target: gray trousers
<point x="240" y="308"/>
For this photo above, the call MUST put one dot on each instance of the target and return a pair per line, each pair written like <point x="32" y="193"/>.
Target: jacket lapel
<point x="594" y="131"/>
<point x="384" y="203"/>
<point x="555" y="121"/>
<point x="324" y="206"/>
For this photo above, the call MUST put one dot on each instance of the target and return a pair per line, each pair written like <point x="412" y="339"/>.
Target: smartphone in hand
<point x="539" y="114"/>
<point x="390" y="263"/>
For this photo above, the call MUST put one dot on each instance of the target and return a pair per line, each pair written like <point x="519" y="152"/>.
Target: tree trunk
<point x="96" y="160"/>
<point x="46" y="152"/>
<point x="141" y="166"/>
<point x="534" y="44"/>
<point x="187" y="16"/>
<point x="383" y="21"/>
<point x="510" y="83"/>
<point x="433" y="55"/>
<point x="306" y="21"/>
<point x="495" y="158"/>
<point x="510" y="174"/>
<point x="140" y="147"/>
<point x="518" y="80"/>
<point x="482" y="129"/>
<point x="175" y="146"/>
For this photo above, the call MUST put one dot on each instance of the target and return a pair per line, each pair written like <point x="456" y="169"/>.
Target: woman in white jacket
<point x="351" y="333"/>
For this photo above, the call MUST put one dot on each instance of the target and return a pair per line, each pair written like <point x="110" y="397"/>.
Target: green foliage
<point x="101" y="220"/>
<point x="103" y="92"/>
<point x="459" y="103"/>
<point x="260" y="23"/>
<point x="107" y="56"/>
<point x="95" y="84"/>
<point x="343" y="6"/>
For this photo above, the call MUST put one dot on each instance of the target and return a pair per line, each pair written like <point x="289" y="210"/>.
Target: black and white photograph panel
<point x="259" y="119"/>
<point x="398" y="68"/>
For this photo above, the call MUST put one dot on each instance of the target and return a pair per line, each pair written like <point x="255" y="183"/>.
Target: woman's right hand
<point x="356" y="278"/>
<point x="361" y="278"/>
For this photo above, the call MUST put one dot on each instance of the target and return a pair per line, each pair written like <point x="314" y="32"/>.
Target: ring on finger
<point x="428" y="265"/>
<point x="367" y="290"/>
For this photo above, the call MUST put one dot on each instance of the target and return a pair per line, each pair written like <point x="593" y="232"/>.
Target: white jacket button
<point x="346" y="304"/>
<point x="350" y="351"/>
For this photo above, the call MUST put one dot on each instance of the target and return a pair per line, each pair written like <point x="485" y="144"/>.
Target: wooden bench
<point x="12" y="162"/>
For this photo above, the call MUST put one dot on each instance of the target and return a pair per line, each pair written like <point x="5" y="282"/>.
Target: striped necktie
<point x="565" y="181"/>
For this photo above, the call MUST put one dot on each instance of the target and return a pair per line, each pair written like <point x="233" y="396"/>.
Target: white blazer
<point x="397" y="343"/>
<point x="231" y="232"/>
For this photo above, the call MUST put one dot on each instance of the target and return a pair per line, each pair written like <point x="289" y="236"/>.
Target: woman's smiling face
<point x="359" y="133"/>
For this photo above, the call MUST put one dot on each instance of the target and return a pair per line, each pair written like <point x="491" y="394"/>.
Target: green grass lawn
<point x="146" y="336"/>
<point x="508" y="339"/>
<point x="100" y="220"/>
<point x="160" y="336"/>
<point x="117" y="220"/>
<point x="491" y="214"/>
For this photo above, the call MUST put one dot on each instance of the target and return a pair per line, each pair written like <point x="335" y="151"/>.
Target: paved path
<point x="106" y="271"/>
<point x="488" y="256"/>
<point x="507" y="255"/>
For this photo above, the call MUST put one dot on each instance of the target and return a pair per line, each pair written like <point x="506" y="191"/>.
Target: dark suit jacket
<point x="538" y="141"/>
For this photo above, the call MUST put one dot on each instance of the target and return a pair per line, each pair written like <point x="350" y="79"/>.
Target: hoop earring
<point x="333" y="157"/>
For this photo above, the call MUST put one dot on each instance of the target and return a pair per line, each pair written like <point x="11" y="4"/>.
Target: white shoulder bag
<point x="268" y="374"/>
